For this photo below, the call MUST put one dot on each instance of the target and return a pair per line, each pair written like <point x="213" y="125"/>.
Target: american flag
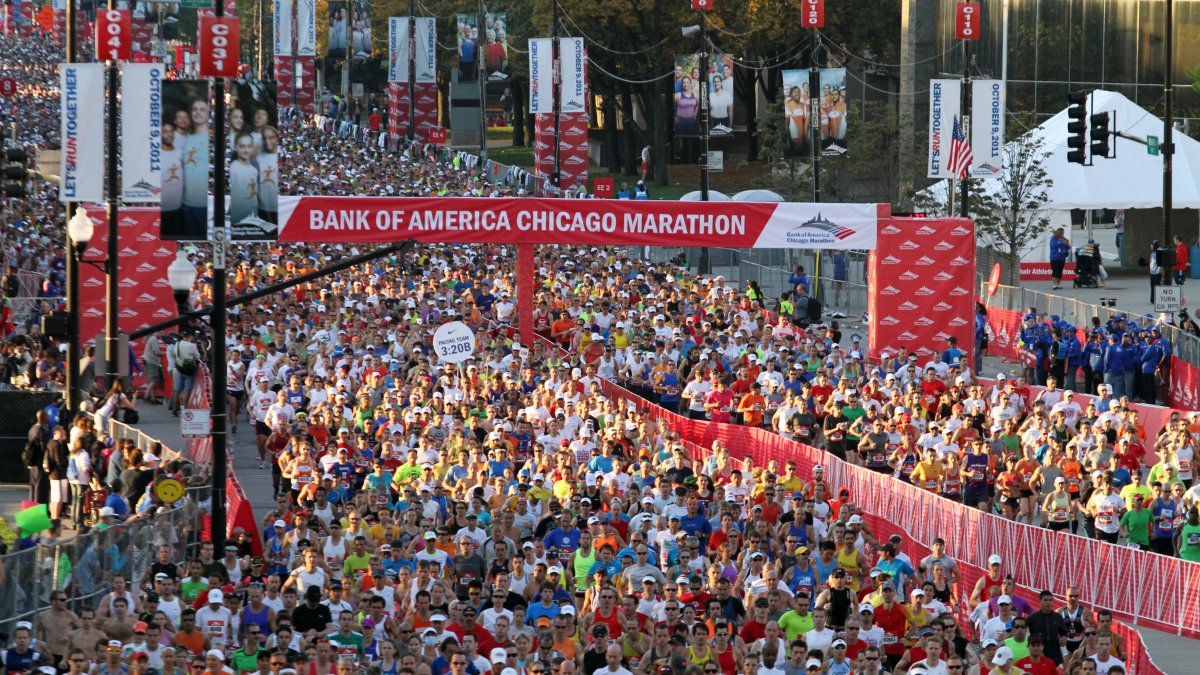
<point x="960" y="151"/>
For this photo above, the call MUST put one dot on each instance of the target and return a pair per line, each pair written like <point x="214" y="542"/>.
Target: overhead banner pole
<point x="966" y="28"/>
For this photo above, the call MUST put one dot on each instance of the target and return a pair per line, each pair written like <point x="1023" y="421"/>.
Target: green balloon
<point x="33" y="520"/>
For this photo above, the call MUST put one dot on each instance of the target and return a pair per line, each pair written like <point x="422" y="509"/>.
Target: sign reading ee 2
<point x="220" y="41"/>
<point x="114" y="35"/>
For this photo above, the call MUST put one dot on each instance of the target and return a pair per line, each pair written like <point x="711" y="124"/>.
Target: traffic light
<point x="16" y="172"/>
<point x="1099" y="133"/>
<point x="1077" y="127"/>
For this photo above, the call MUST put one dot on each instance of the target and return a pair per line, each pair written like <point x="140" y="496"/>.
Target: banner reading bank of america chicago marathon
<point x="582" y="222"/>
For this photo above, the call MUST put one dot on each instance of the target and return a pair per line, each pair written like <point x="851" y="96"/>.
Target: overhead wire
<point x="669" y="73"/>
<point x="563" y="13"/>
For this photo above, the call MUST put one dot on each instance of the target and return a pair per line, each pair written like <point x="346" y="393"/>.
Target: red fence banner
<point x="547" y="221"/>
<point x="923" y="278"/>
<point x="1164" y="594"/>
<point x="1184" y="392"/>
<point x="424" y="110"/>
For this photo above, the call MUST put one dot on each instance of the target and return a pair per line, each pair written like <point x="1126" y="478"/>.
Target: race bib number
<point x="215" y="627"/>
<point x="803" y="432"/>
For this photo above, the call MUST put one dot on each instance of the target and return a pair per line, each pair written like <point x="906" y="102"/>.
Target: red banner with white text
<point x="1184" y="392"/>
<point x="549" y="221"/>
<point x="305" y="74"/>
<point x="922" y="278"/>
<point x="283" y="81"/>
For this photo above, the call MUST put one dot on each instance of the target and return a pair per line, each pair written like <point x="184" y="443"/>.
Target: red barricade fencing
<point x="239" y="512"/>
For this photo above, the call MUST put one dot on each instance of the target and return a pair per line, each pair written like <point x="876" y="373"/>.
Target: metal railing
<point x="83" y="565"/>
<point x="1081" y="314"/>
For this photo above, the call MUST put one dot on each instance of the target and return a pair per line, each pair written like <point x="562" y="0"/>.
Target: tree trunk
<point x="612" y="147"/>
<point x="632" y="134"/>
<point x="518" y="118"/>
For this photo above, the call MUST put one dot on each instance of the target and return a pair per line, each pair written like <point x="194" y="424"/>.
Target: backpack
<point x="186" y="366"/>
<point x="33" y="452"/>
<point x="815" y="310"/>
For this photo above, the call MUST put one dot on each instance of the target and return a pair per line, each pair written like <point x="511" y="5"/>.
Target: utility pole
<point x="814" y="114"/>
<point x="73" y="291"/>
<point x="705" y="262"/>
<point x="483" y="78"/>
<point x="220" y="441"/>
<point x="112" y="328"/>
<point x="963" y="184"/>
<point x="412" y="72"/>
<point x="1167" y="147"/>
<point x="349" y="53"/>
<point x="557" y="88"/>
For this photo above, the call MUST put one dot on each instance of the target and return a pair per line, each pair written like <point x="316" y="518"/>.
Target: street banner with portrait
<point x="306" y="28"/>
<point x="399" y="55"/>
<point x="688" y="99"/>
<point x="466" y="32"/>
<point x="944" y="110"/>
<point x="800" y="109"/>
<point x="185" y="157"/>
<point x="360" y="30"/>
<point x="283" y="27"/>
<point x="82" y="87"/>
<point x="425" y="50"/>
<point x="253" y="162"/>
<point x="495" y="53"/>
<point x="336" y="34"/>
<point x="141" y="132"/>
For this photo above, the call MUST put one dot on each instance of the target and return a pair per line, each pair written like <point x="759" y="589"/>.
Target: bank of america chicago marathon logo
<point x="817" y="231"/>
<point x="145" y="187"/>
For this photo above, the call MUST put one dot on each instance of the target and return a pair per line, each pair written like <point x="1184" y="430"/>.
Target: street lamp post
<point x="79" y="232"/>
<point x="181" y="276"/>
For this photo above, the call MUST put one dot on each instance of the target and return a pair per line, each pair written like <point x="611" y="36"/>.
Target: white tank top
<point x="334" y="555"/>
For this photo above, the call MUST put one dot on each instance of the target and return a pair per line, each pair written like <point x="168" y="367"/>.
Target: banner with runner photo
<point x="833" y="112"/>
<point x="253" y="162"/>
<point x="360" y="30"/>
<point x="687" y="96"/>
<point x="495" y="53"/>
<point x="466" y="31"/>
<point x="828" y="109"/>
<point x="185" y="156"/>
<point x="141" y="132"/>
<point x="336" y="33"/>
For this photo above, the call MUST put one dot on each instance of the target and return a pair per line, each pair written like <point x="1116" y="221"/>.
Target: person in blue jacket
<point x="1074" y="359"/>
<point x="1060" y="250"/>
<point x="1129" y="369"/>
<point x="1093" y="361"/>
<point x="1114" y="366"/>
<point x="1151" y="358"/>
<point x="1030" y="337"/>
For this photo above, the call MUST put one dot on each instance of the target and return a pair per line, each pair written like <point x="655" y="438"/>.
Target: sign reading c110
<point x="114" y="35"/>
<point x="219" y="46"/>
<point x="702" y="4"/>
<point x="966" y="21"/>
<point x="812" y="13"/>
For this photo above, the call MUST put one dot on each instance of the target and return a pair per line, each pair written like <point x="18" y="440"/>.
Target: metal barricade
<point x="1082" y="315"/>
<point x="83" y="565"/>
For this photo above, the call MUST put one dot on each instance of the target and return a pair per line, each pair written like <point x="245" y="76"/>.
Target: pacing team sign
<point x="582" y="222"/>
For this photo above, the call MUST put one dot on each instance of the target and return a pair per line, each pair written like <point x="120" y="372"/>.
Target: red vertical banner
<point x="399" y="117"/>
<point x="923" y="276"/>
<point x="141" y="35"/>
<point x="146" y="297"/>
<point x="812" y="13"/>
<point x="966" y="21"/>
<point x="572" y="149"/>
<point x="306" y="84"/>
<point x="283" y="81"/>
<point x="114" y="34"/>
<point x="424" y="110"/>
<point x="1184" y="392"/>
<point x="219" y="40"/>
<point x="27" y="18"/>
<point x="543" y="144"/>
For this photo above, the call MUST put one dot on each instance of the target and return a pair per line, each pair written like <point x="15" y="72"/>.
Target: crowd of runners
<point x="504" y="517"/>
